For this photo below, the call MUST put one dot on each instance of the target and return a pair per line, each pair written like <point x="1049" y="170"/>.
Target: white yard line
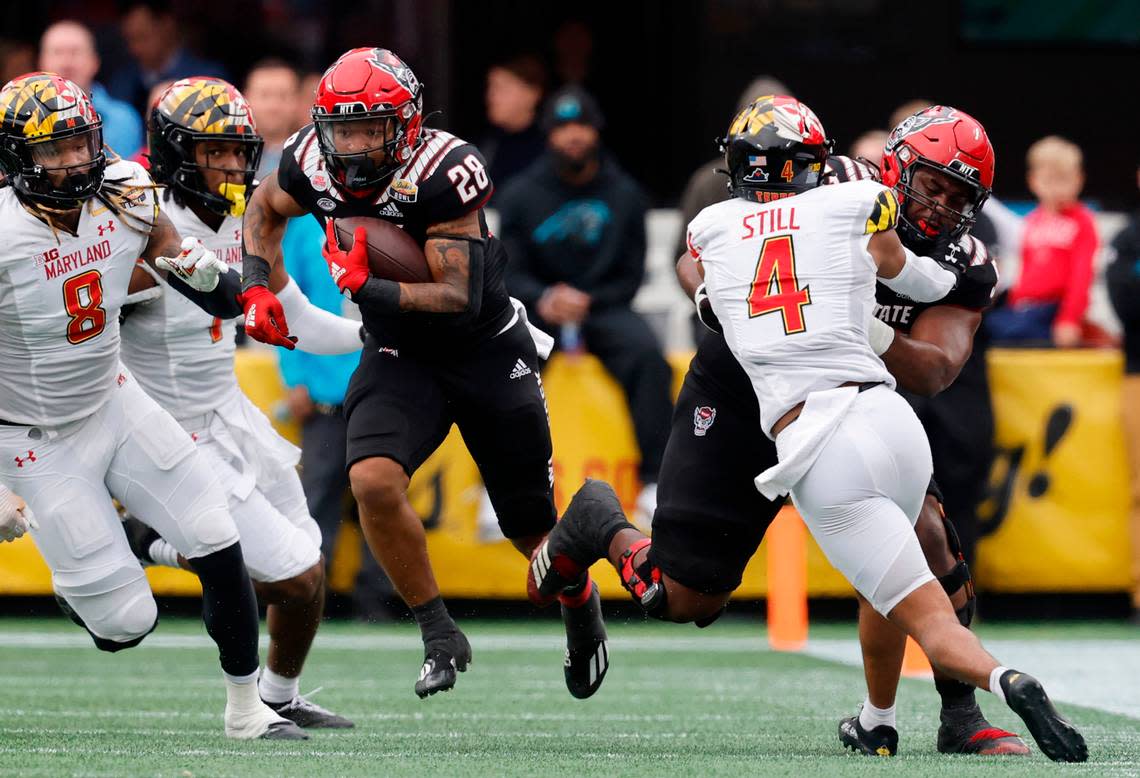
<point x="1099" y="673"/>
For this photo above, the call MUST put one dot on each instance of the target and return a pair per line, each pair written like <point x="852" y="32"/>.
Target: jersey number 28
<point x="775" y="289"/>
<point x="83" y="301"/>
<point x="470" y="178"/>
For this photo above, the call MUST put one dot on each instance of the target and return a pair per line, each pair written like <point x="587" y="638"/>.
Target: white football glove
<point x="15" y="516"/>
<point x="196" y="265"/>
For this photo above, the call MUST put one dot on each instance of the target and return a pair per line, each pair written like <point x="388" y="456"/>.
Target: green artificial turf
<point x="685" y="702"/>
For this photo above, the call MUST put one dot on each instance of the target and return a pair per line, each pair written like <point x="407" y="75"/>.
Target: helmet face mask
<point x="368" y="115"/>
<point x="51" y="141"/>
<point x="199" y="113"/>
<point x="940" y="162"/>
<point x="775" y="148"/>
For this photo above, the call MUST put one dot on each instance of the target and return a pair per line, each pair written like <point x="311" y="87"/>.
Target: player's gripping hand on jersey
<point x="196" y="265"/>
<point x="348" y="268"/>
<point x="15" y="516"/>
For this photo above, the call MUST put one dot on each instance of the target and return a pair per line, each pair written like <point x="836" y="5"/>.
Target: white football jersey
<point x="793" y="285"/>
<point x="182" y="356"/>
<point x="59" y="301"/>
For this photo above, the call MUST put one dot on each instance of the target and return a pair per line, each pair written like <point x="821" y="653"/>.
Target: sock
<point x="162" y="553"/>
<point x="241" y="691"/>
<point x="871" y="717"/>
<point x="955" y="694"/>
<point x="995" y="681"/>
<point x="229" y="609"/>
<point x="276" y="688"/>
<point x="434" y="620"/>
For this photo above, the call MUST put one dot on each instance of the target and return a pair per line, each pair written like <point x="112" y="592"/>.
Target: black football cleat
<point x="587" y="655"/>
<point x="139" y="538"/>
<point x="966" y="731"/>
<point x="442" y="660"/>
<point x="1057" y="738"/>
<point x="879" y="741"/>
<point x="308" y="715"/>
<point x="284" y="730"/>
<point x="578" y="540"/>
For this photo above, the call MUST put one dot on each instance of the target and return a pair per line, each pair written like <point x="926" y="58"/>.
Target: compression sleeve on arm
<point x="224" y="302"/>
<point x="921" y="279"/>
<point x="318" y="331"/>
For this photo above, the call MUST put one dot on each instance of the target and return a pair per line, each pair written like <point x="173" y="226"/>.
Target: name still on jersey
<point x="445" y="179"/>
<point x="60" y="296"/>
<point x="793" y="286"/>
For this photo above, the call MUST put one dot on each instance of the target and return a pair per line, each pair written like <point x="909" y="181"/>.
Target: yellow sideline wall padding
<point x="1066" y="532"/>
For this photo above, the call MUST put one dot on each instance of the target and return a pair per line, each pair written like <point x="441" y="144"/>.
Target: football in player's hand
<point x="392" y="253"/>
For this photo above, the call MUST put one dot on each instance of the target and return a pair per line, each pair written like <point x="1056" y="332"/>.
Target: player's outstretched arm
<point x="167" y="245"/>
<point x="928" y="360"/>
<point x="263" y="227"/>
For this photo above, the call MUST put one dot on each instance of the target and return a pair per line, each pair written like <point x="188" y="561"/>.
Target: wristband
<point x="380" y="295"/>
<point x="254" y="272"/>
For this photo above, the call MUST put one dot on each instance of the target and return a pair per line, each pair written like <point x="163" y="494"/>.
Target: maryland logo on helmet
<point x="196" y="110"/>
<point x="39" y="114"/>
<point x="43" y="106"/>
<point x="207" y="105"/>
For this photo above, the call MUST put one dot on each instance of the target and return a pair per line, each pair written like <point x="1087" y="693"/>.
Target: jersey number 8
<point x="83" y="301"/>
<point x="775" y="288"/>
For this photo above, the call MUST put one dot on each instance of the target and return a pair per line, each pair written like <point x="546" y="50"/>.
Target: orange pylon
<point x="787" y="582"/>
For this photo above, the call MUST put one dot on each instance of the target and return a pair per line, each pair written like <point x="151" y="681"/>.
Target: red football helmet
<point x="947" y="141"/>
<point x="369" y="101"/>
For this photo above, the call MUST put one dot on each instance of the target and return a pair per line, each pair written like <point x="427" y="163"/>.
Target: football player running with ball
<point x="76" y="430"/>
<point x="791" y="270"/>
<point x="204" y="149"/>
<point x="452" y="351"/>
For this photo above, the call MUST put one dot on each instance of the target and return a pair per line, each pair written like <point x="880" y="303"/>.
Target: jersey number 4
<point x="775" y="288"/>
<point x="83" y="301"/>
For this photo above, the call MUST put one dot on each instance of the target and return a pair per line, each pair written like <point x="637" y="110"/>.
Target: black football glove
<point x="948" y="252"/>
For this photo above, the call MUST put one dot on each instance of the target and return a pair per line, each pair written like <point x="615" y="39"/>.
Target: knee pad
<point x="643" y="582"/>
<point x="117" y="619"/>
<point x="959" y="576"/>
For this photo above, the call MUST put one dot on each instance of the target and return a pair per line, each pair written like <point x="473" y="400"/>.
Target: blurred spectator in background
<point x="16" y="59"/>
<point x="155" y="42"/>
<point x="273" y="90"/>
<point x="1123" y="280"/>
<point x="909" y="108"/>
<point x="68" y="48"/>
<point x="706" y="186"/>
<point x="869" y="146"/>
<point x="573" y="225"/>
<point x="1049" y="300"/>
<point x="515" y="141"/>
<point x="316" y="386"/>
<point x="308" y="93"/>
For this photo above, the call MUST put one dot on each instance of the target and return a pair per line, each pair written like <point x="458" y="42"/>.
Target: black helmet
<point x="41" y="116"/>
<point x="775" y="147"/>
<point x="201" y="109"/>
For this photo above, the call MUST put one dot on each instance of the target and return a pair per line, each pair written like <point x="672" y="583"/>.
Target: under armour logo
<point x="108" y="227"/>
<point x="31" y="457"/>
<point x="237" y="234"/>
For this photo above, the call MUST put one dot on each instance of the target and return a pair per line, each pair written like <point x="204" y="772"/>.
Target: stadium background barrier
<point x="1059" y="503"/>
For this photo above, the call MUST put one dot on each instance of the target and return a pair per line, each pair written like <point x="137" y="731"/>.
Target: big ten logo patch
<point x="1007" y="479"/>
<point x="620" y="473"/>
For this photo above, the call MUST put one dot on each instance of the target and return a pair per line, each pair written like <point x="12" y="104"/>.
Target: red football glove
<point x="265" y="318"/>
<point x="348" y="268"/>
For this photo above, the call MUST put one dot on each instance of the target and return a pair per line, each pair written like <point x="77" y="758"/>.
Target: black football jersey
<point x="445" y="179"/>
<point x="715" y="366"/>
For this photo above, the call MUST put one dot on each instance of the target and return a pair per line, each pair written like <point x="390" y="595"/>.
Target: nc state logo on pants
<point x="703" y="418"/>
